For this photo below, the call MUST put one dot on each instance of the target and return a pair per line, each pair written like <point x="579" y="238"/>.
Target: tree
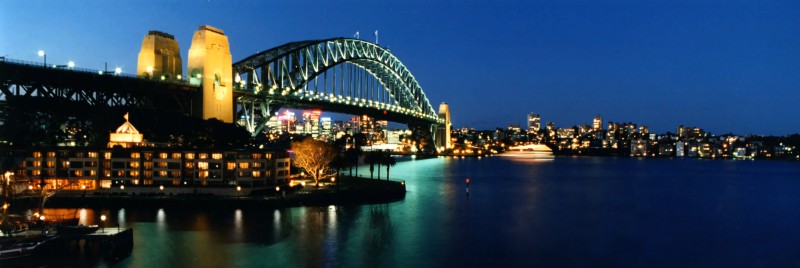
<point x="389" y="161"/>
<point x="314" y="156"/>
<point x="352" y="157"/>
<point x="372" y="158"/>
<point x="339" y="162"/>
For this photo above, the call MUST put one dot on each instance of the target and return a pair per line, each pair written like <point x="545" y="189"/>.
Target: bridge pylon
<point x="210" y="66"/>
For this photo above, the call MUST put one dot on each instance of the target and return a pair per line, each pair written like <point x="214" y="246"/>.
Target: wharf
<point x="108" y="243"/>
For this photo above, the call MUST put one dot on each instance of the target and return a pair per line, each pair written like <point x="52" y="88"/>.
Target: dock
<point x="110" y="243"/>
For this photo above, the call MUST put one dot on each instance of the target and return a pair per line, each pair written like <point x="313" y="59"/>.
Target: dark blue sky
<point x="727" y="66"/>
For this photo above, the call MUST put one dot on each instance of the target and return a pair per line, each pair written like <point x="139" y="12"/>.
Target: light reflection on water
<point x="569" y="212"/>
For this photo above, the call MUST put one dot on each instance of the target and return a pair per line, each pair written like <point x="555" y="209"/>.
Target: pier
<point x="111" y="244"/>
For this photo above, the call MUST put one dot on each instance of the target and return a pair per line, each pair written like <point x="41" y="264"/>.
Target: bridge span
<point x="341" y="75"/>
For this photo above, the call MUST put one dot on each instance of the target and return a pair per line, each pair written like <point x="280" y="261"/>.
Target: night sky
<point x="726" y="66"/>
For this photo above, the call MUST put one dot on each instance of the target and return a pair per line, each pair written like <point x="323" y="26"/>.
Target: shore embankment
<point x="346" y="190"/>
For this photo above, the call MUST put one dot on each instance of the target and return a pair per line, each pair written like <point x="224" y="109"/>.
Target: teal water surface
<point x="565" y="212"/>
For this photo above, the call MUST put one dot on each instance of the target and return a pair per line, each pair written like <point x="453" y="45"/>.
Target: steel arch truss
<point x="341" y="75"/>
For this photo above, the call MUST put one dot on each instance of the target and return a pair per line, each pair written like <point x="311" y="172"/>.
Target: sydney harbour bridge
<point x="343" y="75"/>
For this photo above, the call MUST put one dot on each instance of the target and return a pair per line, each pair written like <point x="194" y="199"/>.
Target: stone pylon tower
<point x="210" y="65"/>
<point x="160" y="56"/>
<point x="443" y="132"/>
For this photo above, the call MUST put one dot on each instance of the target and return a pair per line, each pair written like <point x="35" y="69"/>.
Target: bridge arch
<point x="290" y="74"/>
<point x="340" y="75"/>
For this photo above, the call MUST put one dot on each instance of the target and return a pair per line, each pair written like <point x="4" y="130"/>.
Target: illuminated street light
<point x="102" y="222"/>
<point x="71" y="64"/>
<point x="117" y="71"/>
<point x="42" y="54"/>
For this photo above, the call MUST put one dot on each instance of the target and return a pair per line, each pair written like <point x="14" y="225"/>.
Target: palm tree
<point x="339" y="162"/>
<point x="389" y="161"/>
<point x="372" y="158"/>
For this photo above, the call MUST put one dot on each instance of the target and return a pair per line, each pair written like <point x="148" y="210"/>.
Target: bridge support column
<point x="210" y="65"/>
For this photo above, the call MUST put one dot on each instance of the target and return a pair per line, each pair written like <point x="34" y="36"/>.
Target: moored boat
<point x="24" y="247"/>
<point x="74" y="230"/>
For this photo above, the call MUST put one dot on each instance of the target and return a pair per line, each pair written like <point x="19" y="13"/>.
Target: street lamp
<point x="42" y="54"/>
<point x="102" y="223"/>
<point x="71" y="64"/>
<point x="118" y="71"/>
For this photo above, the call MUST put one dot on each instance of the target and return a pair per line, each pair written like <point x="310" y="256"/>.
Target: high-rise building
<point x="597" y="124"/>
<point x="326" y="128"/>
<point x="534" y="123"/>
<point x="287" y="122"/>
<point x="311" y="123"/>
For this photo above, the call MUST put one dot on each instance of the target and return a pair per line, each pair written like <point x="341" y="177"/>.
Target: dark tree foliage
<point x="32" y="122"/>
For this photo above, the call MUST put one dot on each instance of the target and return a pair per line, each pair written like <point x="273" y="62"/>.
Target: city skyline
<point x="725" y="68"/>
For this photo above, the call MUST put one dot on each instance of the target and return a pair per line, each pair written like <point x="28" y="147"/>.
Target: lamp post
<point x="42" y="54"/>
<point x="102" y="223"/>
<point x="41" y="220"/>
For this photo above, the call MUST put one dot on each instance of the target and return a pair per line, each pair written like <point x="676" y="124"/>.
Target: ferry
<point x="530" y="151"/>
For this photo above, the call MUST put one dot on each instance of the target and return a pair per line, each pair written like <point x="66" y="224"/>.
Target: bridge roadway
<point x="19" y="79"/>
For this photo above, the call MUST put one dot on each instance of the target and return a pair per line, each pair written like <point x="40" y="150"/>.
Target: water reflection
<point x="121" y="223"/>
<point x="563" y="213"/>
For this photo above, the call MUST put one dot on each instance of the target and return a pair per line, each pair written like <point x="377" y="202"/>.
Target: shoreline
<point x="348" y="191"/>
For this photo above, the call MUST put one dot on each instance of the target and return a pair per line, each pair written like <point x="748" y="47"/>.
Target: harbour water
<point x="562" y="212"/>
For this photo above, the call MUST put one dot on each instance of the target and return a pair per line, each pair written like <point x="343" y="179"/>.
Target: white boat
<point x="530" y="151"/>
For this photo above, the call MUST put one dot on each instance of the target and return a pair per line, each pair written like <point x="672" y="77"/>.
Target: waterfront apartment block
<point x="91" y="169"/>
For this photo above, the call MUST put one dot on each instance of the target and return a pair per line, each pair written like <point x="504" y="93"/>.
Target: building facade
<point x="92" y="169"/>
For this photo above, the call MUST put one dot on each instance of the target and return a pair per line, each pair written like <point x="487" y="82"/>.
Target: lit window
<point x="135" y="155"/>
<point x="216" y="156"/>
<point x="231" y="165"/>
<point x="92" y="154"/>
<point x="244" y="165"/>
<point x="176" y="155"/>
<point x="162" y="155"/>
<point x="189" y="156"/>
<point x="202" y="165"/>
<point x="203" y="156"/>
